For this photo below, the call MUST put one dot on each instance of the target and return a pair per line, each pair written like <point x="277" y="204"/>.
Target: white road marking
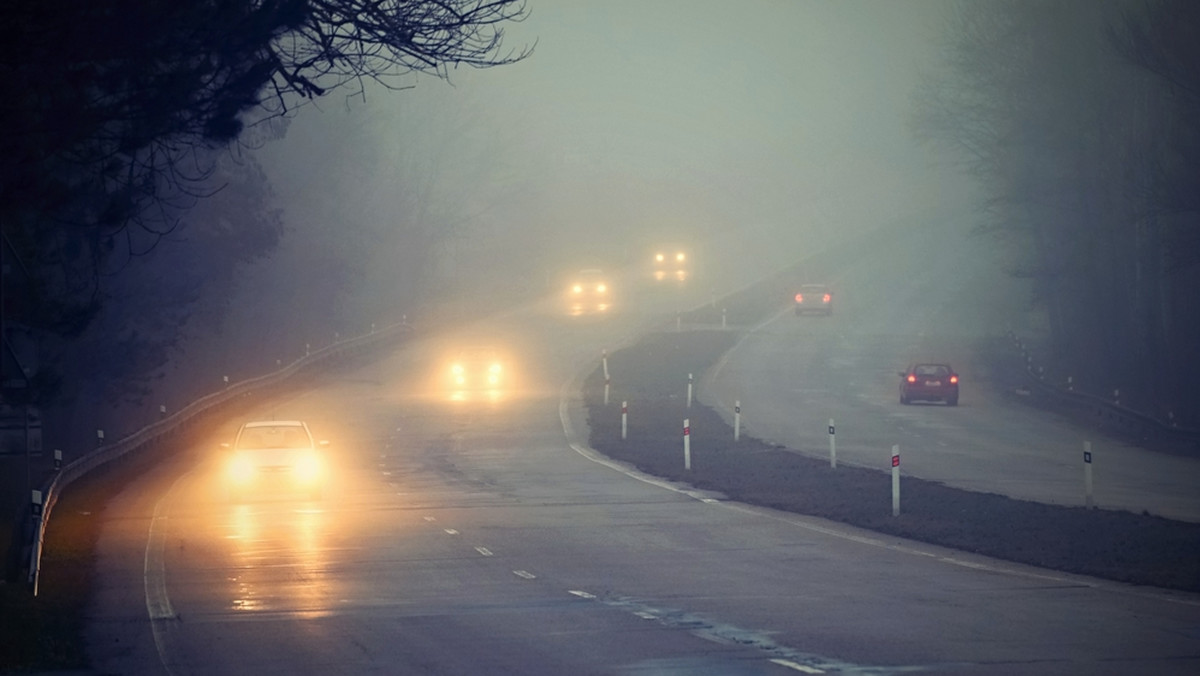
<point x="451" y="531"/>
<point x="428" y="518"/>
<point x="581" y="594"/>
<point x="154" y="575"/>
<point x="798" y="667"/>
<point x="525" y="574"/>
<point x="484" y="551"/>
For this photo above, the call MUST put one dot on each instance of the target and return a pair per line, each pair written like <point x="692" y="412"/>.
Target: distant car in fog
<point x="814" y="298"/>
<point x="929" y="382"/>
<point x="589" y="292"/>
<point x="477" y="368"/>
<point x="671" y="263"/>
<point x="276" y="456"/>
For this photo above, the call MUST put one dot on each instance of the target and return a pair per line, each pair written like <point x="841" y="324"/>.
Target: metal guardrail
<point x="1109" y="410"/>
<point x="103" y="455"/>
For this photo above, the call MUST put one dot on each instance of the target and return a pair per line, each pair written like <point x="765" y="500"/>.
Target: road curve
<point x="930" y="297"/>
<point x="470" y="534"/>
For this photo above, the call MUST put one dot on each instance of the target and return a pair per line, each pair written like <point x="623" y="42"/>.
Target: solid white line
<point x="154" y="576"/>
<point x="798" y="667"/>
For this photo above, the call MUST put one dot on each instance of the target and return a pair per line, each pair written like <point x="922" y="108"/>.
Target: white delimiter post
<point x="737" y="419"/>
<point x="896" y="480"/>
<point x="832" y="446"/>
<point x="1087" y="474"/>
<point x="624" y="419"/>
<point x="687" y="444"/>
<point x="607" y="381"/>
<point x="689" y="393"/>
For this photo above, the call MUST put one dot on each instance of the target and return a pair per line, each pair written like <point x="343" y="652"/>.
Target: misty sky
<point x="660" y="119"/>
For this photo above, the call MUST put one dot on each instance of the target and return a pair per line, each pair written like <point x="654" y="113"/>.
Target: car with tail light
<point x="276" y="456"/>
<point x="929" y="382"/>
<point x="817" y="298"/>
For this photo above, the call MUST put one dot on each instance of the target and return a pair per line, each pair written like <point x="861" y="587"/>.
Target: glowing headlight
<point x="679" y="257"/>
<point x="241" y="469"/>
<point x="457" y="369"/>
<point x="578" y="288"/>
<point x="308" y="468"/>
<point x="494" y="368"/>
<point x="601" y="288"/>
<point x="659" y="257"/>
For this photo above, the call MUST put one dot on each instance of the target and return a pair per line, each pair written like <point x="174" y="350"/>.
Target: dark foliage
<point x="110" y="110"/>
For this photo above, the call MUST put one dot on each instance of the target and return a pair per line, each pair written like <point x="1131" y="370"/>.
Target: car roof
<point x="274" y="423"/>
<point x="814" y="286"/>
<point x="917" y="365"/>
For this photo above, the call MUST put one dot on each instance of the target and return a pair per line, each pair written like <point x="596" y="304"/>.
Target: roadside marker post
<point x="689" y="391"/>
<point x="1087" y="475"/>
<point x="687" y="444"/>
<point x="737" y="419"/>
<point x="832" y="447"/>
<point x="57" y="459"/>
<point x="722" y="317"/>
<point x="896" y="480"/>
<point x="604" y="363"/>
<point x="607" y="383"/>
<point x="624" y="419"/>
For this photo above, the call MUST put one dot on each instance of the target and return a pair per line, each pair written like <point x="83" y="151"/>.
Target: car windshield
<point x="932" y="370"/>
<point x="273" y="436"/>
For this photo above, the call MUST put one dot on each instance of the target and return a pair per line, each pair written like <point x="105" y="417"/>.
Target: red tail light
<point x="953" y="380"/>
<point x="912" y="378"/>
<point x="799" y="298"/>
<point x="827" y="298"/>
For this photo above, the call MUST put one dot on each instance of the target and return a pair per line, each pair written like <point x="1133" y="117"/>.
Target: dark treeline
<point x="118" y="117"/>
<point x="1081" y="121"/>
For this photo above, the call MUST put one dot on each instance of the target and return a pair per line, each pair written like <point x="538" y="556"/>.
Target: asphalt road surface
<point x="470" y="532"/>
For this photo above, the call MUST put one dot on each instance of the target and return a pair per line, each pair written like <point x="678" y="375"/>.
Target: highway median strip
<point x="1116" y="545"/>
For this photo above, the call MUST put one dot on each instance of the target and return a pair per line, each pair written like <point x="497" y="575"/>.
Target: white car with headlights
<point x="589" y="293"/>
<point x="672" y="264"/>
<point x="271" y="456"/>
<point x="477" y="368"/>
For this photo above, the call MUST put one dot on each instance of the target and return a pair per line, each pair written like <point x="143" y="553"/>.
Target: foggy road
<point x="466" y="534"/>
<point x="897" y="306"/>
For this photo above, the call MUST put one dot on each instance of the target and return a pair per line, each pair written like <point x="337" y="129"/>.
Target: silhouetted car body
<point x="929" y="382"/>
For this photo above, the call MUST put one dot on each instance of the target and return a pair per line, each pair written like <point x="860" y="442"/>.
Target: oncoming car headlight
<point x="308" y="468"/>
<point x="241" y="469"/>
